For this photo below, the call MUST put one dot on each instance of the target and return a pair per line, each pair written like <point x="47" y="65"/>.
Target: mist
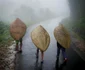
<point x="32" y="11"/>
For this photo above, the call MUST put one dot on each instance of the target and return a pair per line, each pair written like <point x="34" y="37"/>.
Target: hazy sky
<point x="57" y="6"/>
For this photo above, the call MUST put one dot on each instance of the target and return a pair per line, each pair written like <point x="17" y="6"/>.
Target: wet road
<point x="27" y="59"/>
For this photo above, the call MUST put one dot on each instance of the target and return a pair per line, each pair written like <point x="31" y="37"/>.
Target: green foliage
<point x="78" y="26"/>
<point x="5" y="38"/>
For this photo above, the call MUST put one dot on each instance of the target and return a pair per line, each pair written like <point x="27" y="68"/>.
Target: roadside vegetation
<point x="5" y="38"/>
<point x="78" y="27"/>
<point x="5" y="41"/>
<point x="77" y="31"/>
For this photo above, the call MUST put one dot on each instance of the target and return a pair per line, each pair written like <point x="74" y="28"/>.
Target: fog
<point x="32" y="11"/>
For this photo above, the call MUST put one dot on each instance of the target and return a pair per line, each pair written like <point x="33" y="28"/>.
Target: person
<point x="17" y="47"/>
<point x="59" y="47"/>
<point x="42" y="54"/>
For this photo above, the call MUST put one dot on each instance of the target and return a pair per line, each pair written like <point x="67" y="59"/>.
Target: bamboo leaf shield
<point x="62" y="36"/>
<point x="17" y="29"/>
<point x="40" y="38"/>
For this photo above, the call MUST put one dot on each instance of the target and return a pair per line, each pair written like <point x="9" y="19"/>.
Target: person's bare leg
<point x="42" y="56"/>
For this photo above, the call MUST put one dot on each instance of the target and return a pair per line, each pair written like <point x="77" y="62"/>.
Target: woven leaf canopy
<point x="62" y="36"/>
<point x="17" y="29"/>
<point x="40" y="38"/>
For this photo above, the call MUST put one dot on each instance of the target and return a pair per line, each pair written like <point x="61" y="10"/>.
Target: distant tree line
<point x="28" y="14"/>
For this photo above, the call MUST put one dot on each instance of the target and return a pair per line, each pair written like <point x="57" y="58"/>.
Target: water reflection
<point x="38" y="66"/>
<point x="61" y="66"/>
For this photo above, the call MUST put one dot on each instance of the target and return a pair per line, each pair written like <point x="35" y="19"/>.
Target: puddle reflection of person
<point x="37" y="66"/>
<point x="57" y="67"/>
<point x="17" y="47"/>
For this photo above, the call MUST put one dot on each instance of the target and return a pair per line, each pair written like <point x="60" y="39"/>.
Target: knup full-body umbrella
<point x="40" y="38"/>
<point x="62" y="36"/>
<point x="17" y="29"/>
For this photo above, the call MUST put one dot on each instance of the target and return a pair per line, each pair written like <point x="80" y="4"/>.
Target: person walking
<point x="63" y="40"/>
<point x="17" y="31"/>
<point x="41" y="40"/>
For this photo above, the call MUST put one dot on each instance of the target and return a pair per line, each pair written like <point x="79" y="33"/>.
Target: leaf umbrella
<point x="62" y="36"/>
<point x="17" y="29"/>
<point x="40" y="38"/>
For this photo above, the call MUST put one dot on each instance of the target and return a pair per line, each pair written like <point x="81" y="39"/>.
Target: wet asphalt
<point x="27" y="59"/>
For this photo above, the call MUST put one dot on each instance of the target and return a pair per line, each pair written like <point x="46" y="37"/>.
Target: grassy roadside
<point x="5" y="38"/>
<point x="5" y="41"/>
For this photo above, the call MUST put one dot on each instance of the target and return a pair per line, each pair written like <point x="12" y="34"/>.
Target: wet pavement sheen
<point x="27" y="59"/>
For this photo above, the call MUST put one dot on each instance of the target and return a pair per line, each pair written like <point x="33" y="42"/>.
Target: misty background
<point x="47" y="12"/>
<point x="32" y="11"/>
<point x="36" y="11"/>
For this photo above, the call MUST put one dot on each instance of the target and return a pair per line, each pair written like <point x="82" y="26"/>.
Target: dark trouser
<point x="21" y="44"/>
<point x="17" y="42"/>
<point x="61" y="48"/>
